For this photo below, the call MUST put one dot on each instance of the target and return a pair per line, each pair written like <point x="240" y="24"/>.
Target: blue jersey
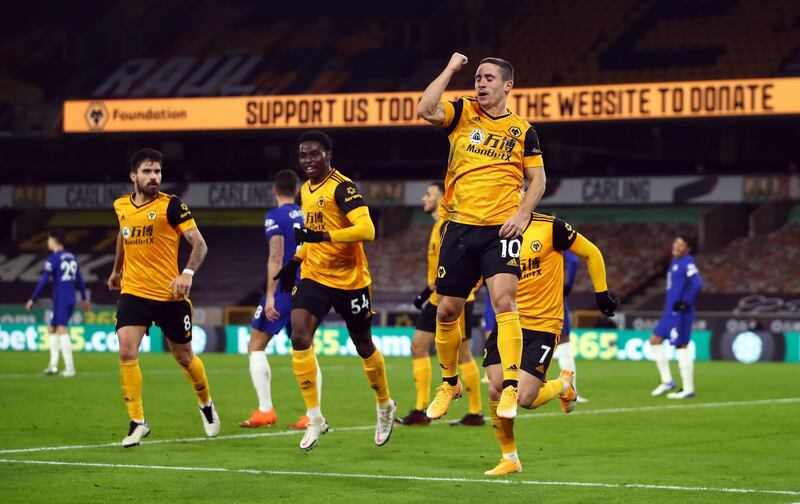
<point x="683" y="282"/>
<point x="63" y="268"/>
<point x="282" y="221"/>
<point x="571" y="262"/>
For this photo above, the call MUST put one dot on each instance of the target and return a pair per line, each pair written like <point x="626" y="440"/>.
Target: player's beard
<point x="147" y="189"/>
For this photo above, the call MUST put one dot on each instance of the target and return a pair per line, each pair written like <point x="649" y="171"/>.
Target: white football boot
<point x="315" y="428"/>
<point x="383" y="428"/>
<point x="136" y="432"/>
<point x="210" y="419"/>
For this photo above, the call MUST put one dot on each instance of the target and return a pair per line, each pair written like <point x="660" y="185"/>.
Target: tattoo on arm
<point x="199" y="248"/>
<point x="119" y="254"/>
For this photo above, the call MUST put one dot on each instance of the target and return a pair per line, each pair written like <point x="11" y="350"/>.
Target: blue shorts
<point x="62" y="312"/>
<point x="566" y="329"/>
<point x="676" y="327"/>
<point x="283" y="303"/>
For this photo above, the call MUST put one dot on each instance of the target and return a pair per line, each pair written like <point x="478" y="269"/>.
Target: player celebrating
<point x="683" y="286"/>
<point x="334" y="275"/>
<point x="146" y="270"/>
<point x="63" y="268"/>
<point x="491" y="150"/>
<point x="426" y="327"/>
<point x="274" y="309"/>
<point x="541" y="308"/>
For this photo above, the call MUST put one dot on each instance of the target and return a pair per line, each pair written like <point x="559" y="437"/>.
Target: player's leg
<point x="421" y="343"/>
<point x="175" y="321"/>
<point x="566" y="360"/>
<point x="311" y="301"/>
<point x="503" y="427"/>
<point x="355" y="307"/>
<point x="470" y="374"/>
<point x="65" y="343"/>
<point x="260" y="375"/>
<point x="503" y="292"/>
<point x="661" y="355"/>
<point x="133" y="320"/>
<point x="457" y="274"/>
<point x="684" y="356"/>
<point x="55" y="346"/>
<point x="535" y="390"/>
<point x="499" y="263"/>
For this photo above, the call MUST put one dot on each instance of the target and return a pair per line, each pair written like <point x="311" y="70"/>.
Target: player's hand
<point x="288" y="274"/>
<point x="567" y="290"/>
<point x="181" y="285"/>
<point x="269" y="309"/>
<point x="514" y="225"/>
<point x="422" y="297"/>
<point x="680" y="306"/>
<point x="114" y="281"/>
<point x="85" y="306"/>
<point x="607" y="303"/>
<point x="457" y="61"/>
<point x="29" y="305"/>
<point x="308" y="236"/>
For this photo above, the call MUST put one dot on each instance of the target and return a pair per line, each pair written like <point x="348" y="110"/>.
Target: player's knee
<point x="447" y="313"/>
<point x="526" y="398"/>
<point x="418" y="350"/>
<point x="655" y="340"/>
<point x="364" y="347"/>
<point x="505" y="303"/>
<point x="494" y="392"/>
<point x="128" y="354"/>
<point x="301" y="340"/>
<point x="184" y="358"/>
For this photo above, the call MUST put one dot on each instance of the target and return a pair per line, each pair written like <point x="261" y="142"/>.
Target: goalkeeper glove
<point x="423" y="296"/>
<point x="308" y="236"/>
<point x="607" y="303"/>
<point x="288" y="274"/>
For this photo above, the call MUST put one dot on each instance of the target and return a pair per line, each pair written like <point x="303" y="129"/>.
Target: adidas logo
<point x="540" y="368"/>
<point x="512" y="262"/>
<point x="306" y="383"/>
<point x="512" y="367"/>
<point x="476" y="119"/>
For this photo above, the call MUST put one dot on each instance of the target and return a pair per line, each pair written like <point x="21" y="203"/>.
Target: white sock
<point x="261" y="374"/>
<point x="66" y="352"/>
<point x="54" y="346"/>
<point x="319" y="381"/>
<point x="686" y="365"/>
<point x="315" y="412"/>
<point x="662" y="363"/>
<point x="566" y="360"/>
<point x="511" y="456"/>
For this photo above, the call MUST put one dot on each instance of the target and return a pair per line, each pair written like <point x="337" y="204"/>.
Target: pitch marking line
<point x="408" y="478"/>
<point x="527" y="416"/>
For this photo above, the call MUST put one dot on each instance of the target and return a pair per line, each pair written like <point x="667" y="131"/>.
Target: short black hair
<point x="317" y="136"/>
<point x="146" y="154"/>
<point x="57" y="234"/>
<point x="506" y="70"/>
<point x="439" y="185"/>
<point x="286" y="182"/>
<point x="690" y="240"/>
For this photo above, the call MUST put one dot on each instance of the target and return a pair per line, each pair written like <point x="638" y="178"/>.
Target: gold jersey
<point x="485" y="168"/>
<point x="540" y="295"/>
<point x="151" y="235"/>
<point x="326" y="207"/>
<point x="434" y="244"/>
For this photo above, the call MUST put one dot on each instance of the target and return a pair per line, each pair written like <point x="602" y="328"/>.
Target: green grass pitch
<point x="738" y="441"/>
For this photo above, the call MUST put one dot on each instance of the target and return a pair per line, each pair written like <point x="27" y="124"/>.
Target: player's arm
<point x="180" y="218"/>
<point x="693" y="287"/>
<point x="572" y="271"/>
<point x="274" y="265"/>
<point x="48" y="271"/>
<point x="430" y="106"/>
<point x="82" y="288"/>
<point x="566" y="238"/>
<point x="533" y="166"/>
<point x="116" y="271"/>
<point x="361" y="228"/>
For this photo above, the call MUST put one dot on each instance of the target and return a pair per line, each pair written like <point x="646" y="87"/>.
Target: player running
<point x="683" y="286"/>
<point x="274" y="309"/>
<point x="62" y="267"/>
<point x="541" y="307"/>
<point x="492" y="151"/>
<point x="334" y="275"/>
<point x="426" y="328"/>
<point x="564" y="351"/>
<point x="152" y="291"/>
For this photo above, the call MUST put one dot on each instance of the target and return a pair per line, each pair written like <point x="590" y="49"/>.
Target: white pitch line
<point x="527" y="416"/>
<point x="265" y="472"/>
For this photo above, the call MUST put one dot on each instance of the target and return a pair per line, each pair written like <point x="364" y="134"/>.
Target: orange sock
<point x="196" y="373"/>
<point x="503" y="430"/>
<point x="549" y="390"/>
<point x="422" y="381"/>
<point x="509" y="344"/>
<point x="131" y="376"/>
<point x="448" y="341"/>
<point x="305" y="370"/>
<point x="375" y="369"/>
<point x="472" y="382"/>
